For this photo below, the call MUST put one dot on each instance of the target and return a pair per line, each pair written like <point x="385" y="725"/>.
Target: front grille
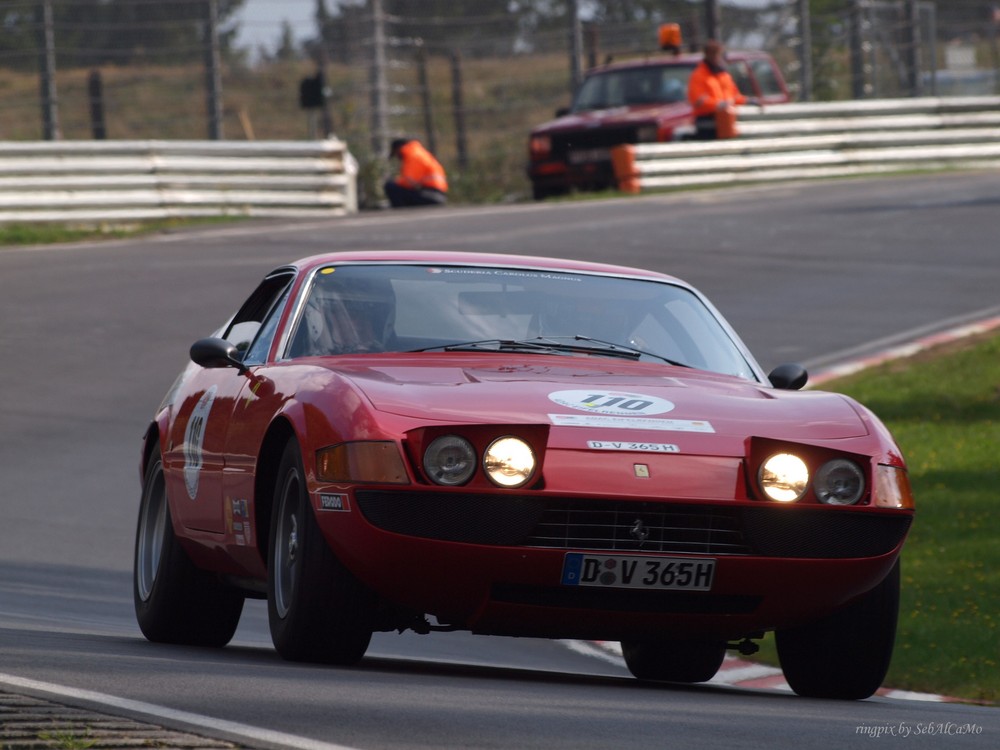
<point x="562" y="143"/>
<point x="639" y="527"/>
<point x="642" y="527"/>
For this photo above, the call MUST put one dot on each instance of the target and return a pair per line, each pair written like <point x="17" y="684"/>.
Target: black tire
<point x="674" y="661"/>
<point x="175" y="602"/>
<point x="845" y="655"/>
<point x="317" y="610"/>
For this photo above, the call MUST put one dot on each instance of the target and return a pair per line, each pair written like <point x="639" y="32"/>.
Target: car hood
<point x="636" y="397"/>
<point x="618" y="116"/>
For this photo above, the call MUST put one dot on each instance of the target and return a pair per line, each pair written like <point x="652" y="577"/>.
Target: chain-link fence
<point x="469" y="77"/>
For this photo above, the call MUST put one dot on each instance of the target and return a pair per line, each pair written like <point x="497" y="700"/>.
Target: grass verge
<point x="943" y="407"/>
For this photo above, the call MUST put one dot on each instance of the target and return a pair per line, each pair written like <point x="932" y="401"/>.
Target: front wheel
<point x="674" y="661"/>
<point x="317" y="610"/>
<point x="845" y="655"/>
<point x="175" y="602"/>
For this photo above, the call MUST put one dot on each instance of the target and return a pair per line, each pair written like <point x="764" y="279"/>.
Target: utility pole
<point x="47" y="72"/>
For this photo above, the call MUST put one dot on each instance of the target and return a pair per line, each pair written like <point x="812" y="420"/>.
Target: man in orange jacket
<point x="713" y="94"/>
<point x="421" y="180"/>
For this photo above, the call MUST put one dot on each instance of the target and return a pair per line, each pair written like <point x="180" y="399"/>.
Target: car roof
<point x="445" y="257"/>
<point x="689" y="59"/>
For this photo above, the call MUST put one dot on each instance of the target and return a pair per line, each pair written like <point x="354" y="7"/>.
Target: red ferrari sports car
<point x="520" y="446"/>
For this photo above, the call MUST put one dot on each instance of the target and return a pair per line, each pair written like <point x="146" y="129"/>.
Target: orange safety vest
<point x="419" y="169"/>
<point x="706" y="89"/>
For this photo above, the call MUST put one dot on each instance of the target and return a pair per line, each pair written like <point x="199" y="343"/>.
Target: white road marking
<point x="251" y="733"/>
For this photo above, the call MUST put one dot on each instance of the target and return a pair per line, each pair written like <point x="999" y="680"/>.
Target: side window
<point x="741" y="77"/>
<point x="257" y="353"/>
<point x="767" y="80"/>
<point x="247" y="330"/>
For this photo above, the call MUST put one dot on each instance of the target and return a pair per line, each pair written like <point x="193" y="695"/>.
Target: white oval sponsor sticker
<point x="194" y="439"/>
<point x="614" y="403"/>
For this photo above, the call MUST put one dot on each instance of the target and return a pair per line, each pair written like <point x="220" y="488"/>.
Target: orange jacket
<point x="419" y="169"/>
<point x="706" y="89"/>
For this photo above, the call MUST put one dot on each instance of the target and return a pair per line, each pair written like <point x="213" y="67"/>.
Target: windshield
<point x="649" y="84"/>
<point x="374" y="308"/>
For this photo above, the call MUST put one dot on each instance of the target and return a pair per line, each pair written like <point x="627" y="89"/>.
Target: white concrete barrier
<point x="88" y="181"/>
<point x="824" y="139"/>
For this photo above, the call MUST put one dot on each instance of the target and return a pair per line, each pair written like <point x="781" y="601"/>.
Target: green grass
<point x="943" y="407"/>
<point x="45" y="233"/>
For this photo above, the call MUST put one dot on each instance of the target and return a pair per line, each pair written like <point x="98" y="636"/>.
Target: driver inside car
<point x="347" y="316"/>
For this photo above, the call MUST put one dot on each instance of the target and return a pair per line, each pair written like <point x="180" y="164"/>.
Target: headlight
<point x="784" y="477"/>
<point x="450" y="460"/>
<point x="540" y="146"/>
<point x="374" y="461"/>
<point x="509" y="462"/>
<point x="839" y="482"/>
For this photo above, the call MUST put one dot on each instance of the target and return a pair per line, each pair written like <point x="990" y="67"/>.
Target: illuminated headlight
<point x="784" y="477"/>
<point x="450" y="460"/>
<point x="839" y="482"/>
<point x="509" y="462"/>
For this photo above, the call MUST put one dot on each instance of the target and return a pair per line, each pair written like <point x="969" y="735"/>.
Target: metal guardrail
<point x="97" y="181"/>
<point x="826" y="139"/>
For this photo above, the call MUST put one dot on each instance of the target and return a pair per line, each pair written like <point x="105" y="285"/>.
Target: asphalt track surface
<point x="93" y="335"/>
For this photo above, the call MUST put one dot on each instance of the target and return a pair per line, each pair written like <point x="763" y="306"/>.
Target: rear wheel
<point x="674" y="661"/>
<point x="317" y="610"/>
<point x="845" y="655"/>
<point x="175" y="602"/>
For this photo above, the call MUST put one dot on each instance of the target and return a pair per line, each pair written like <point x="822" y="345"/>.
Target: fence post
<point x="95" y="90"/>
<point x="805" y="51"/>
<point x="47" y="72"/>
<point x="859" y="67"/>
<point x="575" y="46"/>
<point x="379" y="84"/>
<point x="213" y="73"/>
<point x="425" y="97"/>
<point x="912" y="25"/>
<point x="458" y="107"/>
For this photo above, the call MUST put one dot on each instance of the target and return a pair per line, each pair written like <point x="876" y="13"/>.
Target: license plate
<point x="618" y="571"/>
<point x="588" y="155"/>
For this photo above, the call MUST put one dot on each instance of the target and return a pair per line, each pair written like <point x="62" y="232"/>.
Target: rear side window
<point x="763" y="71"/>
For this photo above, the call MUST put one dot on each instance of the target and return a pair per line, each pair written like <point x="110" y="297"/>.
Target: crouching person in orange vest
<point x="421" y="180"/>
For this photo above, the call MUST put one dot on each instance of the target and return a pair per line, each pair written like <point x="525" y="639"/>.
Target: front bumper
<point x="494" y="563"/>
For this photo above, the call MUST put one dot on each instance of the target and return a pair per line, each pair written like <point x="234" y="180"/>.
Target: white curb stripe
<point x="168" y="714"/>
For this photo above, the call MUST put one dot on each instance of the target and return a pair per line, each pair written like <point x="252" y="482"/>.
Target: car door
<point x="211" y="414"/>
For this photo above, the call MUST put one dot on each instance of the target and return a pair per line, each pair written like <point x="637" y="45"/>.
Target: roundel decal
<point x="194" y="440"/>
<point x="615" y="403"/>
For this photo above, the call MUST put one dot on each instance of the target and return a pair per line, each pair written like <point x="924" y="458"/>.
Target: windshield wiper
<point x="608" y="347"/>
<point x="552" y="345"/>
<point x="491" y="345"/>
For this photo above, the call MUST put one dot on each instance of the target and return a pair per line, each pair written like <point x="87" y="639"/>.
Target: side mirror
<point x="789" y="377"/>
<point x="562" y="111"/>
<point x="214" y="352"/>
